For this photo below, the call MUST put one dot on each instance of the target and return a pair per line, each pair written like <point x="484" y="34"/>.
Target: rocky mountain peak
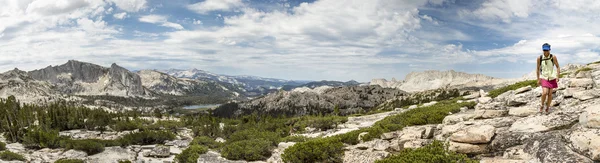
<point x="91" y="79"/>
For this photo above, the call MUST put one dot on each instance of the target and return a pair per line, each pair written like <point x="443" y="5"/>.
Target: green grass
<point x="499" y="91"/>
<point x="562" y="75"/>
<point x="435" y="152"/>
<point x="584" y="69"/>
<point x="320" y="150"/>
<point x="2" y="146"/>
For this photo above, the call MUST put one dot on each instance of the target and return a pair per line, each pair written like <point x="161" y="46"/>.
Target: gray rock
<point x="363" y="156"/>
<point x="485" y="114"/>
<point x="159" y="151"/>
<point x="552" y="147"/>
<point x="390" y="135"/>
<point x="214" y="157"/>
<point x="584" y="95"/>
<point x="544" y="123"/>
<point x="505" y="140"/>
<point x="429" y="132"/>
<point x="523" y="111"/>
<point x="582" y="83"/>
<point x="590" y="118"/>
<point x="485" y="100"/>
<point x="585" y="141"/>
<point x="415" y="143"/>
<point x="220" y="140"/>
<point x="467" y="148"/>
<point x="474" y="134"/>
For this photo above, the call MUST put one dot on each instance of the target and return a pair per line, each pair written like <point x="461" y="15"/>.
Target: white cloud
<point x="130" y="5"/>
<point x="122" y="15"/>
<point x="197" y="22"/>
<point x="159" y="19"/>
<point x="215" y="5"/>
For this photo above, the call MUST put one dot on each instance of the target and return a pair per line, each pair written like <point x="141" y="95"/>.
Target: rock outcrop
<point x="82" y="78"/>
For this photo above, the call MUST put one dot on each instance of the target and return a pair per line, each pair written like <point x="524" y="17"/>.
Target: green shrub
<point x="296" y="138"/>
<point x="435" y="152"/>
<point x="499" y="91"/>
<point x="254" y="134"/>
<point x="249" y="150"/>
<point x="191" y="154"/>
<point x="39" y="138"/>
<point x="124" y="161"/>
<point x="562" y="75"/>
<point x="146" y="138"/>
<point x="323" y="123"/>
<point x="166" y="125"/>
<point x="88" y="146"/>
<point x="127" y="125"/>
<point x="318" y="150"/>
<point x="206" y="141"/>
<point x="2" y="146"/>
<point x="10" y="156"/>
<point x="64" y="160"/>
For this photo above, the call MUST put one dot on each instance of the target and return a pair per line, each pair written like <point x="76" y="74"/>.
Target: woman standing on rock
<point x="550" y="76"/>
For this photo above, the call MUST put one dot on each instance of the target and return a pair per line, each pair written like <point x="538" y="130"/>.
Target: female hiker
<point x="549" y="76"/>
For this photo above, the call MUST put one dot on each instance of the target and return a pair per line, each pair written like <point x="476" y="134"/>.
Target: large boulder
<point x="519" y="99"/>
<point x="586" y="83"/>
<point x="474" y="134"/>
<point x="587" y="142"/>
<point x="544" y="123"/>
<point x="484" y="100"/>
<point x="491" y="106"/>
<point x="455" y="118"/>
<point x="415" y="143"/>
<point x="552" y="147"/>
<point x="584" y="95"/>
<point x="364" y="156"/>
<point x="591" y="117"/>
<point x="485" y="114"/>
<point x="505" y="140"/>
<point x="214" y="157"/>
<point x="413" y="132"/>
<point x="523" y="111"/>
<point x="159" y="151"/>
<point x="466" y="148"/>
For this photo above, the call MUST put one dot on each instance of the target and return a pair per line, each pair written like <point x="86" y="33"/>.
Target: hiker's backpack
<point x="551" y="58"/>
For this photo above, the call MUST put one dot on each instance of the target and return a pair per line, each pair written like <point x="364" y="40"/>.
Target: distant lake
<point x="204" y="106"/>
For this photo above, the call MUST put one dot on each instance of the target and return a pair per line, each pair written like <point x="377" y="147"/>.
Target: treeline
<point x="38" y="127"/>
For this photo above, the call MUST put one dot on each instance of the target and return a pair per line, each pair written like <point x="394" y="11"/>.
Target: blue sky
<point x="302" y="40"/>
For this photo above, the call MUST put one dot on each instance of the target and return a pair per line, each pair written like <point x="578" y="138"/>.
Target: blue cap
<point x="546" y="47"/>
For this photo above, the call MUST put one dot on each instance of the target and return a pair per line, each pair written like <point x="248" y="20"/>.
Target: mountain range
<point x="76" y="78"/>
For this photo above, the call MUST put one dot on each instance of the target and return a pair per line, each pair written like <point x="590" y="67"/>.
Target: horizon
<point x="300" y="40"/>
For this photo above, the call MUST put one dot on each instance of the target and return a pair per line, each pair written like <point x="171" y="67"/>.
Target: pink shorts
<point x="549" y="83"/>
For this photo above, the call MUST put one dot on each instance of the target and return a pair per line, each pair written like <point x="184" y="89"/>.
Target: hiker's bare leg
<point x="544" y="94"/>
<point x="549" y="102"/>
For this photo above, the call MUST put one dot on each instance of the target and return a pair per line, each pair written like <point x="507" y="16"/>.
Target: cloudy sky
<point x="302" y="40"/>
